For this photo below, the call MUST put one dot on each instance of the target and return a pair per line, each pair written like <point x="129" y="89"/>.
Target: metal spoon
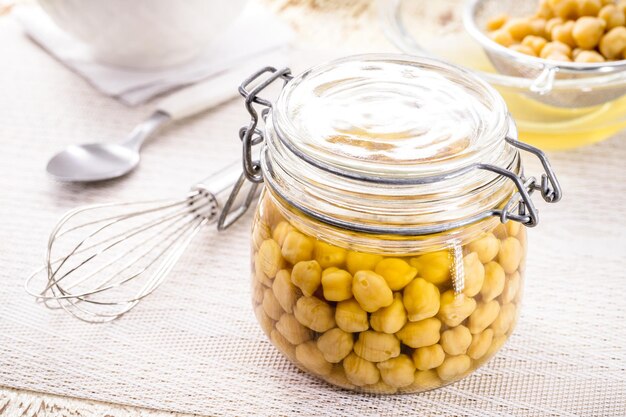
<point x="103" y="161"/>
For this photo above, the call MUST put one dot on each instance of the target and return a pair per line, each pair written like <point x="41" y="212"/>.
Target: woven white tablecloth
<point x="194" y="345"/>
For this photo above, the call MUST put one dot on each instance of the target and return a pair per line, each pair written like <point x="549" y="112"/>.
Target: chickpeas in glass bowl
<point x="389" y="242"/>
<point x="561" y="39"/>
<point x="561" y="90"/>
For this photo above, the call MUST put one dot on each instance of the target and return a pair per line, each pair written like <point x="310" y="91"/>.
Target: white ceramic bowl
<point x="144" y="33"/>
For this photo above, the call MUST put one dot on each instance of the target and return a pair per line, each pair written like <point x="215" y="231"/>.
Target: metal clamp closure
<point x="231" y="212"/>
<point x="251" y="135"/>
<point x="549" y="187"/>
<point x="520" y="206"/>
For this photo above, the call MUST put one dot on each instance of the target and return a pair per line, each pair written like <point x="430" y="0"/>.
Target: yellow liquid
<point x="545" y="126"/>
<point x="556" y="128"/>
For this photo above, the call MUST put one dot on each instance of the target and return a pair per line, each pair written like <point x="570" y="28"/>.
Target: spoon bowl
<point x="93" y="162"/>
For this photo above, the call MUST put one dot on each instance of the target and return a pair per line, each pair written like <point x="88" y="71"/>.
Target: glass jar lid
<point x="390" y="145"/>
<point x="379" y="115"/>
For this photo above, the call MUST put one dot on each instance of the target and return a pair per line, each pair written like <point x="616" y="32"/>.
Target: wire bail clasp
<point x="548" y="185"/>
<point x="251" y="135"/>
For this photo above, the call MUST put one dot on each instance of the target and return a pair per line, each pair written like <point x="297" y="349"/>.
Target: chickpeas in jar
<point x="389" y="243"/>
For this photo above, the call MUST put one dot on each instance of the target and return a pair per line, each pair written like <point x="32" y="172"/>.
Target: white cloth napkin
<point x="256" y="35"/>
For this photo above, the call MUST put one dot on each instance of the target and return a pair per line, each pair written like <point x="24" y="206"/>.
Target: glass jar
<point x="389" y="242"/>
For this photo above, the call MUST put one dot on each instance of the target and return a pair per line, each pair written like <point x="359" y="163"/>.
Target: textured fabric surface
<point x="194" y="346"/>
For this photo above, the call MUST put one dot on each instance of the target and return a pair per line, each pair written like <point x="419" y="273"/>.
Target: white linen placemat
<point x="194" y="345"/>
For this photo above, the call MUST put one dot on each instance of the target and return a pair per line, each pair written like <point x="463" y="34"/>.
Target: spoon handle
<point x="203" y="96"/>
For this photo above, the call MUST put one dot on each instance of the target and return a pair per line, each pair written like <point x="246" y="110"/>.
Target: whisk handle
<point x="222" y="181"/>
<point x="224" y="188"/>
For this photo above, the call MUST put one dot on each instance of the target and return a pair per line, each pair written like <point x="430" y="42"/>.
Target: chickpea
<point x="497" y="22"/>
<point x="428" y="357"/>
<point x="297" y="247"/>
<point x="337" y="284"/>
<point x="523" y="49"/>
<point x="613" y="16"/>
<point x="257" y="294"/>
<point x="397" y="372"/>
<point x="282" y="344"/>
<point x="519" y="28"/>
<point x="266" y="322"/>
<point x="503" y="37"/>
<point x="589" y="57"/>
<point x="538" y="26"/>
<point x="454" y="367"/>
<point x="286" y="293"/>
<point x="359" y="371"/>
<point x="350" y="317"/>
<point x="315" y="314"/>
<point x="552" y="23"/>
<point x="503" y="323"/>
<point x="338" y="377"/>
<point x="389" y="319"/>
<point x="494" y="281"/>
<point x="397" y="272"/>
<point x="269" y="259"/>
<point x="328" y="255"/>
<point x="576" y="52"/>
<point x="417" y="334"/>
<point x="496" y="344"/>
<point x="558" y="56"/>
<point x="483" y="316"/>
<point x="474" y="274"/>
<point x="480" y="344"/>
<point x="511" y="250"/>
<point x="521" y="236"/>
<point x="380" y="388"/>
<point x="335" y="345"/>
<point x="544" y="10"/>
<point x="260" y="232"/>
<point x="281" y="231"/>
<point x="371" y="291"/>
<point x="588" y="7"/>
<point x="456" y="340"/>
<point x="421" y="299"/>
<point x="486" y="247"/>
<point x="512" y="228"/>
<point x="307" y="275"/>
<point x="271" y="306"/>
<point x="566" y="9"/>
<point x="613" y="44"/>
<point x="269" y="213"/>
<point x="564" y="33"/>
<point x="259" y="275"/>
<point x="358" y="261"/>
<point x="455" y="308"/>
<point x="292" y="330"/>
<point x="511" y="288"/>
<point x="377" y="346"/>
<point x="312" y="359"/>
<point x="434" y="267"/>
<point x="587" y="33"/>
<point x="425" y="380"/>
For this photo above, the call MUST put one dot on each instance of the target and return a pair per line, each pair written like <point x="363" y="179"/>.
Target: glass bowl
<point x="438" y="29"/>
